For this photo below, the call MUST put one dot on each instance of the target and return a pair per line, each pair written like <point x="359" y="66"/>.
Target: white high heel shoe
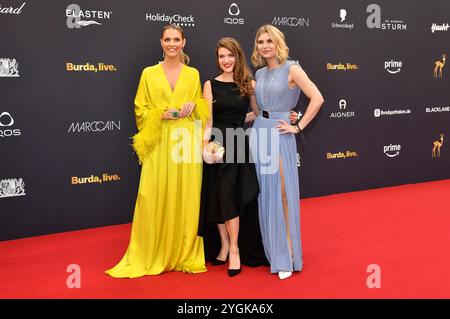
<point x="284" y="274"/>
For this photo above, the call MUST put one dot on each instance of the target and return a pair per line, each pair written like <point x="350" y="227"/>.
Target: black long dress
<point x="230" y="188"/>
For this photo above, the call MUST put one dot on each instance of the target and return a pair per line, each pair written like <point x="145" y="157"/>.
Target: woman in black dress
<point x="230" y="185"/>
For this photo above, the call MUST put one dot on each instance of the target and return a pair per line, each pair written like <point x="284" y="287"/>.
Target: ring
<point x="175" y="114"/>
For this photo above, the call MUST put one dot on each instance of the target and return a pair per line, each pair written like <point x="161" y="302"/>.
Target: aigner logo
<point x="234" y="12"/>
<point x="9" y="68"/>
<point x="342" y="106"/>
<point x="374" y="20"/>
<point x="75" y="15"/>
<point x="438" y="66"/>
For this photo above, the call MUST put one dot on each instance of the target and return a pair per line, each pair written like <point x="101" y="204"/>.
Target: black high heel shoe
<point x="218" y="262"/>
<point x="234" y="272"/>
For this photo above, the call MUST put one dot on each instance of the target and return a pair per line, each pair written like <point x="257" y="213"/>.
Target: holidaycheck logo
<point x="185" y="21"/>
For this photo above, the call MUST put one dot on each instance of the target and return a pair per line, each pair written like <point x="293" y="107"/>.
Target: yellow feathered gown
<point x="164" y="231"/>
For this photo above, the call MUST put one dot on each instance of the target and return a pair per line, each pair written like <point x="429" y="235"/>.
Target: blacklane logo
<point x="94" y="126"/>
<point x="344" y="114"/>
<point x="11" y="10"/>
<point x="439" y="27"/>
<point x="374" y="20"/>
<point x="234" y="12"/>
<point x="392" y="150"/>
<point x="379" y="112"/>
<point x="437" y="109"/>
<point x="184" y="21"/>
<point x="12" y="187"/>
<point x="393" y="67"/>
<point x="9" y="67"/>
<point x="290" y="21"/>
<point x="75" y="16"/>
<point x="6" y="120"/>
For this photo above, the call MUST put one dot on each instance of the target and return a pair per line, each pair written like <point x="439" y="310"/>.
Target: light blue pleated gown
<point x="269" y="147"/>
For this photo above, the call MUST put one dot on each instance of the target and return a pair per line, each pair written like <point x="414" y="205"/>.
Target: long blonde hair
<point x="278" y="38"/>
<point x="184" y="58"/>
<point x="241" y="73"/>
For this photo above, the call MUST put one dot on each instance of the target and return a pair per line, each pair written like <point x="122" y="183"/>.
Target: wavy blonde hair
<point x="242" y="74"/>
<point x="184" y="58"/>
<point x="278" y="38"/>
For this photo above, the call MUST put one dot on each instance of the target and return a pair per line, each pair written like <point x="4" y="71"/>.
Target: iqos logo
<point x="234" y="7"/>
<point x="6" y="120"/>
<point x="234" y="12"/>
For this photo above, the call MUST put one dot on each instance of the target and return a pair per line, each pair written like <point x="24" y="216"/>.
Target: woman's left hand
<point x="187" y="109"/>
<point x="285" y="127"/>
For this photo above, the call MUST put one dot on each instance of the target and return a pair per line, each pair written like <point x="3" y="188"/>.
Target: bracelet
<point x="299" y="130"/>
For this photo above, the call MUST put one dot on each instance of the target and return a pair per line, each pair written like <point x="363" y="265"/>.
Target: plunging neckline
<point x="172" y="90"/>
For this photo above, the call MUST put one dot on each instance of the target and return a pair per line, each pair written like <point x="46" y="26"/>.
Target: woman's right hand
<point x="208" y="157"/>
<point x="171" y="114"/>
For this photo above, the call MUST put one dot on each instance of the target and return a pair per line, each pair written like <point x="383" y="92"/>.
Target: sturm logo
<point x="11" y="10"/>
<point x="392" y="150"/>
<point x="342" y="18"/>
<point x="75" y="16"/>
<point x="234" y="13"/>
<point x="12" y="187"/>
<point x="290" y="21"/>
<point x="9" y="67"/>
<point x="393" y="67"/>
<point x="374" y="20"/>
<point x="95" y="126"/>
<point x="379" y="112"/>
<point x="184" y="21"/>
<point x="6" y="123"/>
<point x="439" y="27"/>
<point x="343" y="114"/>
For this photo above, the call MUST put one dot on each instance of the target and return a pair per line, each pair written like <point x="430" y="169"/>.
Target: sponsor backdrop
<point x="69" y="73"/>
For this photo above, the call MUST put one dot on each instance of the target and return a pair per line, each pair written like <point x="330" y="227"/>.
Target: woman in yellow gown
<point x="170" y="115"/>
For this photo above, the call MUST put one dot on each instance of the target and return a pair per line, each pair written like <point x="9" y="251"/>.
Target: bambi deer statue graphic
<point x="438" y="65"/>
<point x="437" y="147"/>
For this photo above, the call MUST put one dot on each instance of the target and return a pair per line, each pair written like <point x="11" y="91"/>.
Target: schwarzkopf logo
<point x="12" y="10"/>
<point x="374" y="20"/>
<point x="12" y="187"/>
<point x="75" y="15"/>
<point x="234" y="12"/>
<point x="392" y="150"/>
<point x="9" y="68"/>
<point x="342" y="17"/>
<point x="439" y="27"/>
<point x="392" y="66"/>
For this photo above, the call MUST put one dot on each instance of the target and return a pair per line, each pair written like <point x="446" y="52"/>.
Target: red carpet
<point x="404" y="230"/>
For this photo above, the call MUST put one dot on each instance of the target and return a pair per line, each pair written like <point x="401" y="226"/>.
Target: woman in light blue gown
<point x="278" y="86"/>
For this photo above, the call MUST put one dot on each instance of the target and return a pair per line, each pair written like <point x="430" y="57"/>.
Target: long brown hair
<point x="242" y="74"/>
<point x="184" y="58"/>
